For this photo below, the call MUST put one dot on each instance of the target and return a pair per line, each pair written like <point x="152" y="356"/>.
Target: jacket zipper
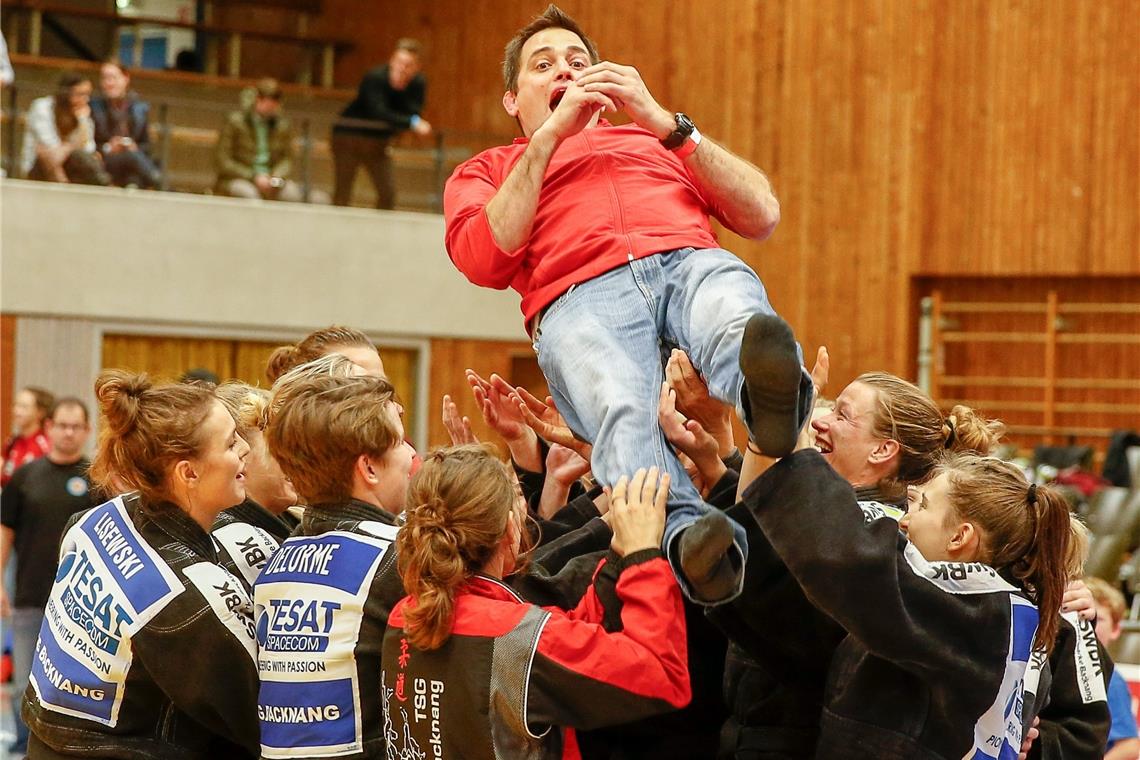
<point x="616" y="199"/>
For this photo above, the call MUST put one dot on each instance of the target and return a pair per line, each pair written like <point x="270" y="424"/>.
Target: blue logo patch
<point x="124" y="556"/>
<point x="1024" y="629"/>
<point x="336" y="561"/>
<point x="306" y="714"/>
<point x="63" y="681"/>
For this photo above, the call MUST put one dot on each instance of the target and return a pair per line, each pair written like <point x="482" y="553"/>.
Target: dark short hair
<point x="551" y="18"/>
<point x="69" y="79"/>
<point x="70" y="401"/>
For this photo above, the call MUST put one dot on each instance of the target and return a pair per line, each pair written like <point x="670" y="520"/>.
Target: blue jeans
<point x="25" y="631"/>
<point x="600" y="346"/>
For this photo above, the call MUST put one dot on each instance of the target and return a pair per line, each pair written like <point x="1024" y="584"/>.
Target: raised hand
<point x="822" y="370"/>
<point x="690" y="438"/>
<point x="499" y="411"/>
<point x="565" y="465"/>
<point x="458" y="426"/>
<point x="624" y="87"/>
<point x="637" y="511"/>
<point x="545" y="420"/>
<point x="694" y="401"/>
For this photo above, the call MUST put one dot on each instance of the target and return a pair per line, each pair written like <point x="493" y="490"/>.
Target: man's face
<point x="549" y="62"/>
<point x="267" y="108"/>
<point x="67" y="431"/>
<point x="113" y="82"/>
<point x="402" y="66"/>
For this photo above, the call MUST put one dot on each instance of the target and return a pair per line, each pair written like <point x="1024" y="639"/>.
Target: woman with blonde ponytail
<point x="940" y="619"/>
<point x="471" y="670"/>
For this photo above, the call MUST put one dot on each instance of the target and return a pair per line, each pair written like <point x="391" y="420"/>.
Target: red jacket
<point x="610" y="194"/>
<point x="512" y="674"/>
<point x="21" y="449"/>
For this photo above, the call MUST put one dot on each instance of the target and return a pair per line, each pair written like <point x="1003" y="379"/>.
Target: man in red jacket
<point x="604" y="231"/>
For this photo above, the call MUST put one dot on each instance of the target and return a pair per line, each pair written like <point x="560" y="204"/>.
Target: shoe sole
<point x="772" y="376"/>
<point x="704" y="545"/>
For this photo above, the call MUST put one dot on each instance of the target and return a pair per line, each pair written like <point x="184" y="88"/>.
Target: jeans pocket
<point x="546" y="314"/>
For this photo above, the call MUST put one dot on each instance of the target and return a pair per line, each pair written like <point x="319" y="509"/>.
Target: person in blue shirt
<point x="1123" y="738"/>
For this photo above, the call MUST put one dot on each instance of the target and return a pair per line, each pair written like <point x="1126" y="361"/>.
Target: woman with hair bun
<point x="470" y="669"/>
<point x="147" y="648"/>
<point x="882" y="434"/>
<point x="939" y="618"/>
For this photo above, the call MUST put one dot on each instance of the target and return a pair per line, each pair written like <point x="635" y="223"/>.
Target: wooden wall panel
<point x="168" y="357"/>
<point x="1102" y="408"/>
<point x="7" y="371"/>
<point x="514" y="361"/>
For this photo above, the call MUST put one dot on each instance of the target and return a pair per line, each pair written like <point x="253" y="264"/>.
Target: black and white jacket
<point x="935" y="656"/>
<point x="147" y="647"/>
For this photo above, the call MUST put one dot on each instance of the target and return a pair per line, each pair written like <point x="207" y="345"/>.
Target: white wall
<point x="168" y="258"/>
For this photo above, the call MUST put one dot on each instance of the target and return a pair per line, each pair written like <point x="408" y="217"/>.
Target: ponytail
<point x="432" y="568"/>
<point x="1043" y="567"/>
<point x="459" y="503"/>
<point x="1027" y="530"/>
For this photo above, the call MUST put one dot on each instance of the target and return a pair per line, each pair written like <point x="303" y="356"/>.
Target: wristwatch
<point x="684" y="139"/>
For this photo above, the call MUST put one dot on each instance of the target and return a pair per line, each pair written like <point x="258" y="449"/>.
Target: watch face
<point x="685" y="125"/>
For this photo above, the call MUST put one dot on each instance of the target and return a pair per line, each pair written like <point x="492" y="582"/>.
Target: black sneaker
<point x="772" y="376"/>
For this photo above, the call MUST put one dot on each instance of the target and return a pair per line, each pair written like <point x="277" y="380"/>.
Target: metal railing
<point x="176" y="121"/>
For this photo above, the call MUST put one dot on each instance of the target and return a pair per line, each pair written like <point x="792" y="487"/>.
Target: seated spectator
<point x="255" y="151"/>
<point x="1123" y="738"/>
<point x="122" y="131"/>
<point x="59" y="139"/>
<point x="28" y="440"/>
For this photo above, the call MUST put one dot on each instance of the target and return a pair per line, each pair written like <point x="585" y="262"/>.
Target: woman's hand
<point x="545" y="420"/>
<point x="637" y="511"/>
<point x="493" y="397"/>
<point x="1080" y="600"/>
<point x="458" y="427"/>
<point x="693" y="401"/>
<point x="690" y="438"/>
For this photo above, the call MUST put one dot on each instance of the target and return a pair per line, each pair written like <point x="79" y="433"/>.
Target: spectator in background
<point x="255" y="150"/>
<point x="1123" y="738"/>
<point x="7" y="75"/>
<point x="122" y="131"/>
<point x="59" y="140"/>
<point x="28" y="440"/>
<point x="36" y="505"/>
<point x="392" y="96"/>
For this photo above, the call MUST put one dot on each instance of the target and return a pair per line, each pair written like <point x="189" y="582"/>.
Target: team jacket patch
<point x="1089" y="669"/>
<point x="109" y="584"/>
<point x="310" y="603"/>
<point x="248" y="546"/>
<point x="997" y="734"/>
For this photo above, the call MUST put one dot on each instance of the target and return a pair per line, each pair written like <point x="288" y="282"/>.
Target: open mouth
<point x="556" y="97"/>
<point x="822" y="446"/>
